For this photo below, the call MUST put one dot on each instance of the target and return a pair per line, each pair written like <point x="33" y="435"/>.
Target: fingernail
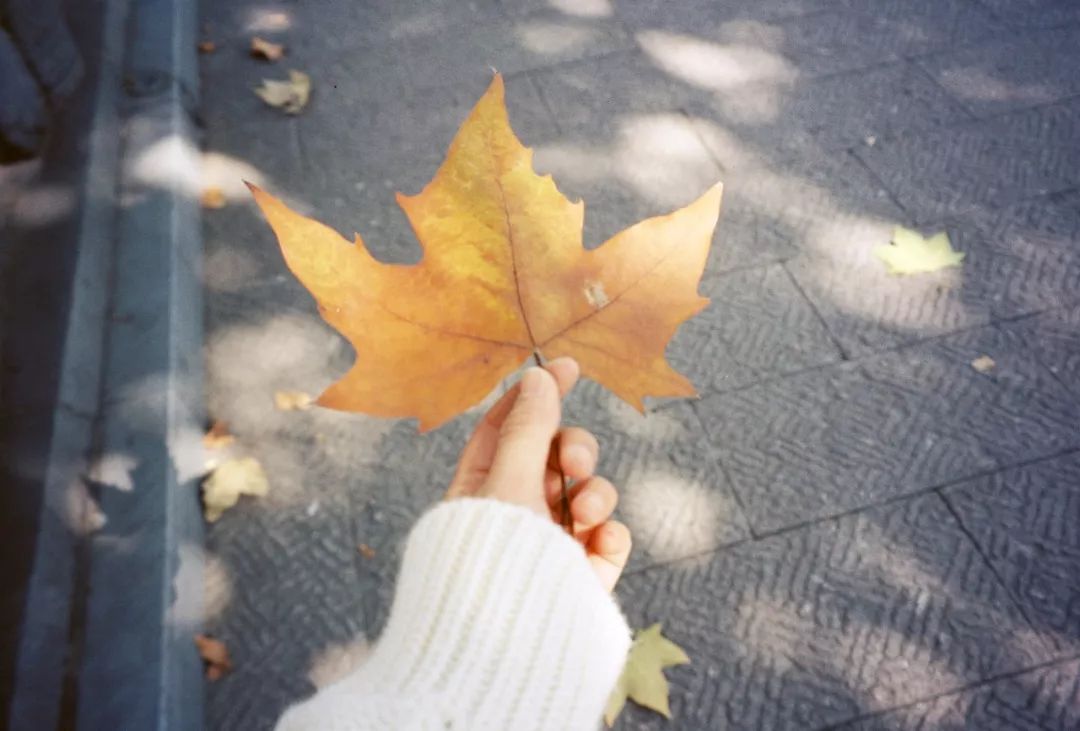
<point x="532" y="381"/>
<point x="592" y="505"/>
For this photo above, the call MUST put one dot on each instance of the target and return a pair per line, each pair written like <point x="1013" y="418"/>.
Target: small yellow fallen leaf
<point x="292" y="400"/>
<point x="212" y="198"/>
<point x="289" y="96"/>
<point x="983" y="363"/>
<point x="366" y="551"/>
<point x="215" y="656"/>
<point x="910" y="253"/>
<point x="264" y="49"/>
<point x="230" y="480"/>
<point x="642" y="679"/>
<point x="207" y="47"/>
<point x="218" y="437"/>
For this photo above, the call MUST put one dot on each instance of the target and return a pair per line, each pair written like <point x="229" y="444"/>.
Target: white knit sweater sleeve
<point x="498" y="623"/>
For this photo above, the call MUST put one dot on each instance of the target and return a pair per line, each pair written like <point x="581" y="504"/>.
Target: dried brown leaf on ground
<point x="504" y="277"/>
<point x="642" y="679"/>
<point x="229" y="480"/>
<point x="218" y="436"/>
<point x="366" y="551"/>
<point x="266" y="50"/>
<point x="213" y="197"/>
<point x="292" y="401"/>
<point x="215" y="656"/>
<point x="290" y="96"/>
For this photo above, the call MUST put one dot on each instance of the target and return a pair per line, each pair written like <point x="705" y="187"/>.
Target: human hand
<point x="507" y="458"/>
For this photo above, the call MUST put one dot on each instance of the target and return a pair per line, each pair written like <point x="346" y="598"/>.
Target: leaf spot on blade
<point x="595" y="294"/>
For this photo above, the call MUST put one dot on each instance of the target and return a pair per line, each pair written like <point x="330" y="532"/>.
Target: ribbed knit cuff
<point x="499" y="607"/>
<point x="498" y="622"/>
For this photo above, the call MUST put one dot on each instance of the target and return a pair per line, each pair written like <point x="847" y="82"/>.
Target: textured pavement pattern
<point x="852" y="528"/>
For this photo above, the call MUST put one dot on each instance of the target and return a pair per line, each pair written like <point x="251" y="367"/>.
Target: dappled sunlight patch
<point x="113" y="469"/>
<point x="187" y="611"/>
<point x="228" y="174"/>
<point x="658" y="156"/>
<point x="715" y="66"/>
<point x="189" y="455"/>
<point x="583" y="8"/>
<point x="249" y="362"/>
<point x="661" y="157"/>
<point x="976" y="84"/>
<point x="267" y="19"/>
<point x="727" y="146"/>
<point x="80" y="511"/>
<point x="656" y="426"/>
<point x="174" y="164"/>
<point x="43" y="204"/>
<point x="338" y="660"/>
<point x="817" y="638"/>
<point x="579" y="163"/>
<point x="671" y="516"/>
<point x="231" y="269"/>
<point x="217" y="587"/>
<point x="554" y="39"/>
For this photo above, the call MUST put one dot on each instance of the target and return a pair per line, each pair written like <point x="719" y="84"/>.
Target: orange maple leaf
<point x="504" y="275"/>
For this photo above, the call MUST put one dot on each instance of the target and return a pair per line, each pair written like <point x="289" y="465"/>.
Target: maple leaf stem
<point x="564" y="497"/>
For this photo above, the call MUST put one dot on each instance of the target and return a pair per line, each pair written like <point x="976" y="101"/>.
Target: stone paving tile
<point x="757" y="326"/>
<point x="864" y="34"/>
<point x="1024" y="521"/>
<point x="509" y="46"/>
<point x="990" y="163"/>
<point x="859" y="433"/>
<point x="1055" y="339"/>
<point x="279" y="601"/>
<point x="829" y="622"/>
<point x="783" y="118"/>
<point x="1046" y="699"/>
<point x="1034" y="13"/>
<point x="1020" y="259"/>
<point x="1032" y="69"/>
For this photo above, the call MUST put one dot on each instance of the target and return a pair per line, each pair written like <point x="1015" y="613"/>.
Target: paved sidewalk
<point x="852" y="527"/>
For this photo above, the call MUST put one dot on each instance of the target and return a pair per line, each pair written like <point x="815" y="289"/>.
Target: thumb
<point x="525" y="436"/>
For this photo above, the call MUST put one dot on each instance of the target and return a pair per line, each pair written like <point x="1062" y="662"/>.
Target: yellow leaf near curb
<point x="910" y="253"/>
<point x="215" y="656"/>
<point x="231" y="479"/>
<point x="642" y="679"/>
<point x="218" y="436"/>
<point x="292" y="401"/>
<point x="289" y="96"/>
<point x="264" y="49"/>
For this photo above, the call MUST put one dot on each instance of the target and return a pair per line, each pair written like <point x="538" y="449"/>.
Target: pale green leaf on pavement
<point x="911" y="253"/>
<point x="642" y="679"/>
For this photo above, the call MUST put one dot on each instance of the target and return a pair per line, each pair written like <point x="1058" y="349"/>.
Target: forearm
<point x="498" y="622"/>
